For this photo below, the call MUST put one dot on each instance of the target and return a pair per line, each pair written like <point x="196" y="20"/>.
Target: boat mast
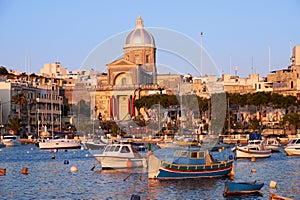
<point x="28" y="105"/>
<point x="52" y="104"/>
<point x="201" y="67"/>
<point x="228" y="113"/>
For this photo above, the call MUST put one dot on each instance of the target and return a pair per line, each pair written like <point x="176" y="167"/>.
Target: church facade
<point x="129" y="77"/>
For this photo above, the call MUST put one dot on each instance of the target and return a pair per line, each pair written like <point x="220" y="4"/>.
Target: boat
<point x="272" y="144"/>
<point x="96" y="143"/>
<point x="293" y="147"/>
<point x="62" y="143"/>
<point x="255" y="148"/>
<point x="239" y="188"/>
<point x="120" y="156"/>
<point x="168" y="144"/>
<point x="10" y="140"/>
<point x="274" y="196"/>
<point x="188" y="163"/>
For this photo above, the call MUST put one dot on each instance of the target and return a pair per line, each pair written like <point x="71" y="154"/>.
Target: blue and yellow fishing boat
<point x="189" y="163"/>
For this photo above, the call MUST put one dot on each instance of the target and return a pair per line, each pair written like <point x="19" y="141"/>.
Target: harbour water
<point x="50" y="178"/>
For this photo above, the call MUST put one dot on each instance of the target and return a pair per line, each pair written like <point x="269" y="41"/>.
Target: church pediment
<point x="121" y="61"/>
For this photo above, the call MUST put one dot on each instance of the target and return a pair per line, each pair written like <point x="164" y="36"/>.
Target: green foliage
<point x="20" y="100"/>
<point x="82" y="108"/>
<point x="3" y="71"/>
<point x="292" y="119"/>
<point x="191" y="102"/>
<point x="254" y="123"/>
<point x="262" y="99"/>
<point x="14" y="124"/>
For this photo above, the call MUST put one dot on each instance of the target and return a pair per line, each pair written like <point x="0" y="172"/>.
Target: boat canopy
<point x="192" y="156"/>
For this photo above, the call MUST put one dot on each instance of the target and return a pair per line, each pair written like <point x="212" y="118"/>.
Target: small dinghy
<point x="239" y="188"/>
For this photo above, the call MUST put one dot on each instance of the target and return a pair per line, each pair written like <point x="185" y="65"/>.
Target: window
<point x="125" y="149"/>
<point x="201" y="154"/>
<point x="112" y="148"/>
<point x="184" y="154"/>
<point x="147" y="58"/>
<point x="176" y="153"/>
<point x="108" y="148"/>
<point x="194" y="154"/>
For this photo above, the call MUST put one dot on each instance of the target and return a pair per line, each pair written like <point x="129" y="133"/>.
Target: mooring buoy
<point x="25" y="170"/>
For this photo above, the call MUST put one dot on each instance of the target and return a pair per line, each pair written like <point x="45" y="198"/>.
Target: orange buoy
<point x="2" y="171"/>
<point x="25" y="170"/>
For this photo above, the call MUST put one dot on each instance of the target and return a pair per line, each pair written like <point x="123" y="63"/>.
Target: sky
<point x="256" y="36"/>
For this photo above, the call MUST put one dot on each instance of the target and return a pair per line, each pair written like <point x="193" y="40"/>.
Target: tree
<point x="3" y="71"/>
<point x="254" y="123"/>
<point x="292" y="119"/>
<point x="14" y="124"/>
<point x="20" y="100"/>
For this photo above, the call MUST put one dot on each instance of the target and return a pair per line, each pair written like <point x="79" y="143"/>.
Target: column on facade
<point x="131" y="109"/>
<point x="115" y="103"/>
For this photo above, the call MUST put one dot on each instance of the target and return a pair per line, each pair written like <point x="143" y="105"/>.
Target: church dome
<point x="139" y="37"/>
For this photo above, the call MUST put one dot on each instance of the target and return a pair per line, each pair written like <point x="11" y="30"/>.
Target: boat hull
<point x="10" y="143"/>
<point x="237" y="188"/>
<point x="110" y="162"/>
<point x="292" y="151"/>
<point x="171" y="171"/>
<point x="60" y="144"/>
<point x="241" y="152"/>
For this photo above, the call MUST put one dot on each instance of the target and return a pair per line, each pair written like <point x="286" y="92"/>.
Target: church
<point x="129" y="77"/>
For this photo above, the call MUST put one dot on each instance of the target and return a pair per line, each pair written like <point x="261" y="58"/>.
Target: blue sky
<point x="68" y="30"/>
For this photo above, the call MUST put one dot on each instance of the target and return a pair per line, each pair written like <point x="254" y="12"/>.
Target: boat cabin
<point x="121" y="150"/>
<point x="192" y="156"/>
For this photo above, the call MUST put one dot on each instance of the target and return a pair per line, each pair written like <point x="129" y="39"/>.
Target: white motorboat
<point x="59" y="144"/>
<point x="120" y="156"/>
<point x="168" y="144"/>
<point x="272" y="144"/>
<point x="255" y="148"/>
<point x="293" y="147"/>
<point x="10" y="140"/>
<point x="94" y="145"/>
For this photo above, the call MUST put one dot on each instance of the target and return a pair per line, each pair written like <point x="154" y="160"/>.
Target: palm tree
<point x="20" y="100"/>
<point x="13" y="124"/>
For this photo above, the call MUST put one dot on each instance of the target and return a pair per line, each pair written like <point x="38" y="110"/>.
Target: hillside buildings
<point x="111" y="95"/>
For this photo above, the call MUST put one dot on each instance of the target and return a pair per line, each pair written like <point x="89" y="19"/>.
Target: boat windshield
<point x="112" y="148"/>
<point x="295" y="141"/>
<point x="108" y="148"/>
<point x="125" y="149"/>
